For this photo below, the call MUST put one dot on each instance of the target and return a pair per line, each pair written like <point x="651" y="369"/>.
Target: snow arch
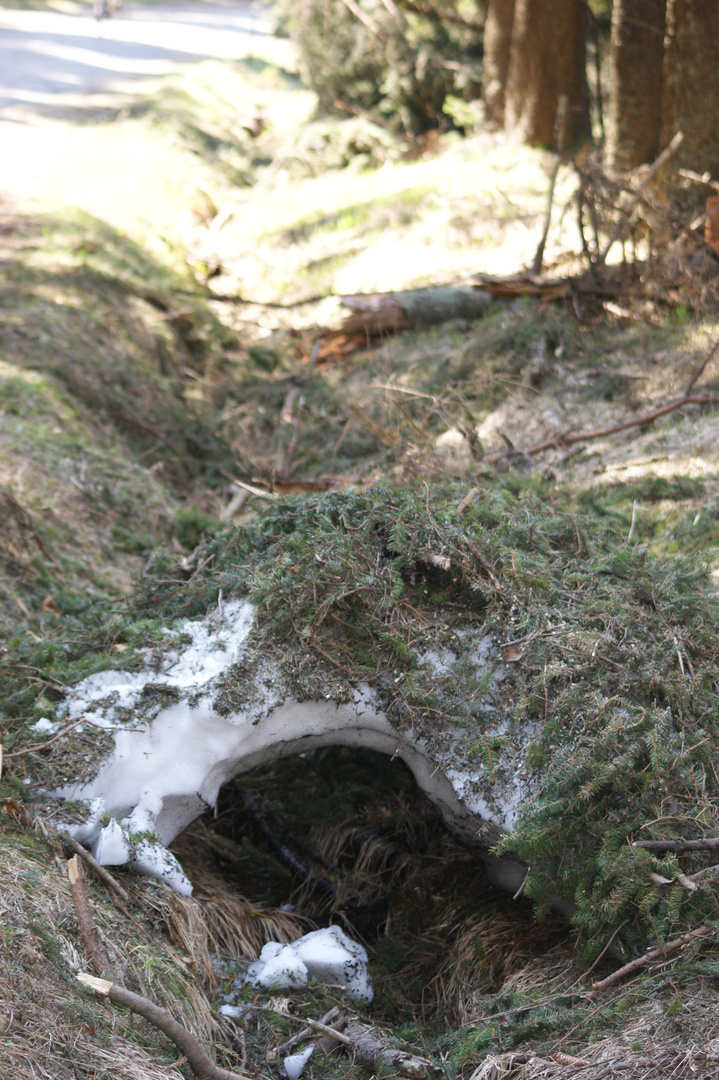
<point x="177" y="743"/>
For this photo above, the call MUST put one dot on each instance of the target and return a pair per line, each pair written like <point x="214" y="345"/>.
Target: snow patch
<point x="295" y="1063"/>
<point x="328" y="955"/>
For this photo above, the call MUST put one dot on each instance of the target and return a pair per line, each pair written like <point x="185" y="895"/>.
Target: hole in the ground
<point x="345" y="836"/>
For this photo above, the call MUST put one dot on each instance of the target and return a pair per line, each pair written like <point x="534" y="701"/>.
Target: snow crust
<point x="175" y="747"/>
<point x="328" y="955"/>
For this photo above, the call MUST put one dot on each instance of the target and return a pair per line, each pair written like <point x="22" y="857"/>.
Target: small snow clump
<point x="328" y="955"/>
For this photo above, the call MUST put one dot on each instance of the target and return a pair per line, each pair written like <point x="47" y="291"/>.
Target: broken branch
<point x="710" y="842"/>
<point x="657" y="953"/>
<point x="104" y="875"/>
<point x="700" y="369"/>
<point x="187" y="1044"/>
<point x="295" y="1040"/>
<point x="88" y="930"/>
<point x="369" y="1050"/>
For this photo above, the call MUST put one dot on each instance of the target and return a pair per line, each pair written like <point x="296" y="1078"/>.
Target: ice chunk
<point x="328" y="955"/>
<point x="296" y="1062"/>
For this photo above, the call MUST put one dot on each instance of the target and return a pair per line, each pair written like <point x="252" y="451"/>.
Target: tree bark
<point x="690" y="85"/>
<point x="497" y="46"/>
<point x="635" y="82"/>
<point x="548" y="59"/>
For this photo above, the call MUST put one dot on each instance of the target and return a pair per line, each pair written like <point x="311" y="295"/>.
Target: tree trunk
<point x="497" y="45"/>
<point x="548" y="59"/>
<point x="690" y="98"/>
<point x="635" y="81"/>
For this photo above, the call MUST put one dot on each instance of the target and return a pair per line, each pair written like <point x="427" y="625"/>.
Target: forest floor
<point x="172" y="154"/>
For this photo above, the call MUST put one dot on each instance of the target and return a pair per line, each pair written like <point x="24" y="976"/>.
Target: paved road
<point x="54" y="64"/>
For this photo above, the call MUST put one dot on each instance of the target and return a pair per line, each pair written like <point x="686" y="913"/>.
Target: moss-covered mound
<point x="610" y="658"/>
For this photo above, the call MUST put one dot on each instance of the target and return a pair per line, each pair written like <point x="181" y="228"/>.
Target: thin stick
<point x="634" y="521"/>
<point x="701" y="874"/>
<point x="605" y="949"/>
<point x="295" y="1040"/>
<point x="699" y="371"/>
<point x="47" y="742"/>
<point x="624" y="216"/>
<point x="187" y="1044"/>
<point x="711" y="843"/>
<point x="559" y="441"/>
<point x="104" y="875"/>
<point x="658" y="953"/>
<point x="88" y="930"/>
<point x="338" y="1036"/>
<point x="229" y="298"/>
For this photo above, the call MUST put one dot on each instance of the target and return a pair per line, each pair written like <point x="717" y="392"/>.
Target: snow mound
<point x="328" y="955"/>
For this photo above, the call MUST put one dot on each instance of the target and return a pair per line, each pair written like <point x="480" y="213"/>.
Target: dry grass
<point x="49" y="1023"/>
<point x="221" y="920"/>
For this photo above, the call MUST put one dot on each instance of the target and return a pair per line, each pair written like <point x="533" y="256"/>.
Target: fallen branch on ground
<point x="88" y="930"/>
<point x="657" y="953"/>
<point x="370" y="1051"/>
<point x="187" y="1044"/>
<point x="295" y="1040"/>
<point x="377" y="313"/>
<point x="559" y="441"/>
<point x="368" y="1048"/>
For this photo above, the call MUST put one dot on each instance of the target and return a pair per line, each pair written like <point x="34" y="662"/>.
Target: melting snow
<point x="295" y="1063"/>
<point x="328" y="955"/>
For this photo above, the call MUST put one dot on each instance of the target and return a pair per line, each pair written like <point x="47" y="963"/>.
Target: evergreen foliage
<point x="615" y="689"/>
<point x="397" y="61"/>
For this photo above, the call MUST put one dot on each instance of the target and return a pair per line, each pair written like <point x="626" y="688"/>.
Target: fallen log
<point x="378" y="313"/>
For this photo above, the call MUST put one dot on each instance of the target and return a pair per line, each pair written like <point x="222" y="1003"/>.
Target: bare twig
<point x="657" y="953"/>
<point x="295" y="1040"/>
<point x="92" y="862"/>
<point x="26" y="523"/>
<point x="229" y="298"/>
<point x="710" y="842"/>
<point x="624" y="216"/>
<point x="701" y="874"/>
<point x="187" y="1044"/>
<point x="88" y="930"/>
<point x="701" y="367"/>
<point x="466" y="501"/>
<point x="42" y="745"/>
<point x="704" y="178"/>
<point x="558" y="441"/>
